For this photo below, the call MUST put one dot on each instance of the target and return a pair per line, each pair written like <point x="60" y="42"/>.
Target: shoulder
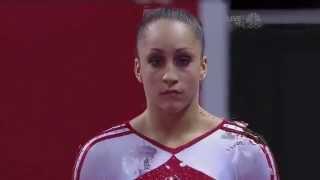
<point x="110" y="134"/>
<point x="98" y="145"/>
<point x="252" y="157"/>
<point x="241" y="130"/>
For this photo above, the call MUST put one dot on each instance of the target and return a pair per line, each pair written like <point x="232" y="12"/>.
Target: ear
<point x="204" y="67"/>
<point x="137" y="69"/>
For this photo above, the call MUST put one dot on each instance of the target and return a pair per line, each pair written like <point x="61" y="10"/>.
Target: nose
<point x="170" y="76"/>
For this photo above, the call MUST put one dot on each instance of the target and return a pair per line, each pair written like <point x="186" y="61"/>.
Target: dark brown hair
<point x="172" y="14"/>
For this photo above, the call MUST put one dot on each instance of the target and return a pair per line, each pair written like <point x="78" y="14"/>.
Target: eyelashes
<point x="180" y="60"/>
<point x="155" y="61"/>
<point x="183" y="61"/>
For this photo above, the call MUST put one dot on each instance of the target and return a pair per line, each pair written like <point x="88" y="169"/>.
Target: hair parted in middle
<point x="174" y="14"/>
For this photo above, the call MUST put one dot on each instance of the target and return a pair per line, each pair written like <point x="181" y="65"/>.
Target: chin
<point x="173" y="108"/>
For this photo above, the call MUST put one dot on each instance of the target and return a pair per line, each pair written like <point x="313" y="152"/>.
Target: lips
<point x="171" y="91"/>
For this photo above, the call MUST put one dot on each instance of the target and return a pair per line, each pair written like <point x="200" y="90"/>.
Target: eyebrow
<point x="156" y="50"/>
<point x="177" y="50"/>
<point x="182" y="49"/>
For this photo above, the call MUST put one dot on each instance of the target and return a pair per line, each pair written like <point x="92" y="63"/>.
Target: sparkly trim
<point x="106" y="135"/>
<point x="181" y="147"/>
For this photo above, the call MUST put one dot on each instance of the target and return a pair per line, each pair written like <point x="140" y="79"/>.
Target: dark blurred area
<point x="274" y="77"/>
<point x="275" y="4"/>
<point x="274" y="80"/>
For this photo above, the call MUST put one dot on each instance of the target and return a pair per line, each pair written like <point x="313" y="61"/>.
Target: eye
<point x="155" y="61"/>
<point x="183" y="60"/>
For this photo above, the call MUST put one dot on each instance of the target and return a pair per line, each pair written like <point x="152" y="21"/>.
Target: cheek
<point x="148" y="76"/>
<point x="192" y="77"/>
<point x="149" y="81"/>
<point x="192" y="83"/>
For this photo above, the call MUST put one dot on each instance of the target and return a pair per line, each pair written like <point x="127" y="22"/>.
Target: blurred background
<point x="66" y="74"/>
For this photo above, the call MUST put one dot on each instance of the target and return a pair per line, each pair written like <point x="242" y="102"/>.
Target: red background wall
<point x="66" y="73"/>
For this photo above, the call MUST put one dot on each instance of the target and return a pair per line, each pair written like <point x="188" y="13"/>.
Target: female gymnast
<point x="174" y="138"/>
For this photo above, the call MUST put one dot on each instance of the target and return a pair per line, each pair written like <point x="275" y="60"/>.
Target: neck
<point x="167" y="125"/>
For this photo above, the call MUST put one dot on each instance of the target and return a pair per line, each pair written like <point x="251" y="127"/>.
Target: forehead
<point x="168" y="34"/>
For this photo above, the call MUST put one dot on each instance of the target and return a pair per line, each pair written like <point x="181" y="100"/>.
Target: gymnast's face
<point x="170" y="65"/>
